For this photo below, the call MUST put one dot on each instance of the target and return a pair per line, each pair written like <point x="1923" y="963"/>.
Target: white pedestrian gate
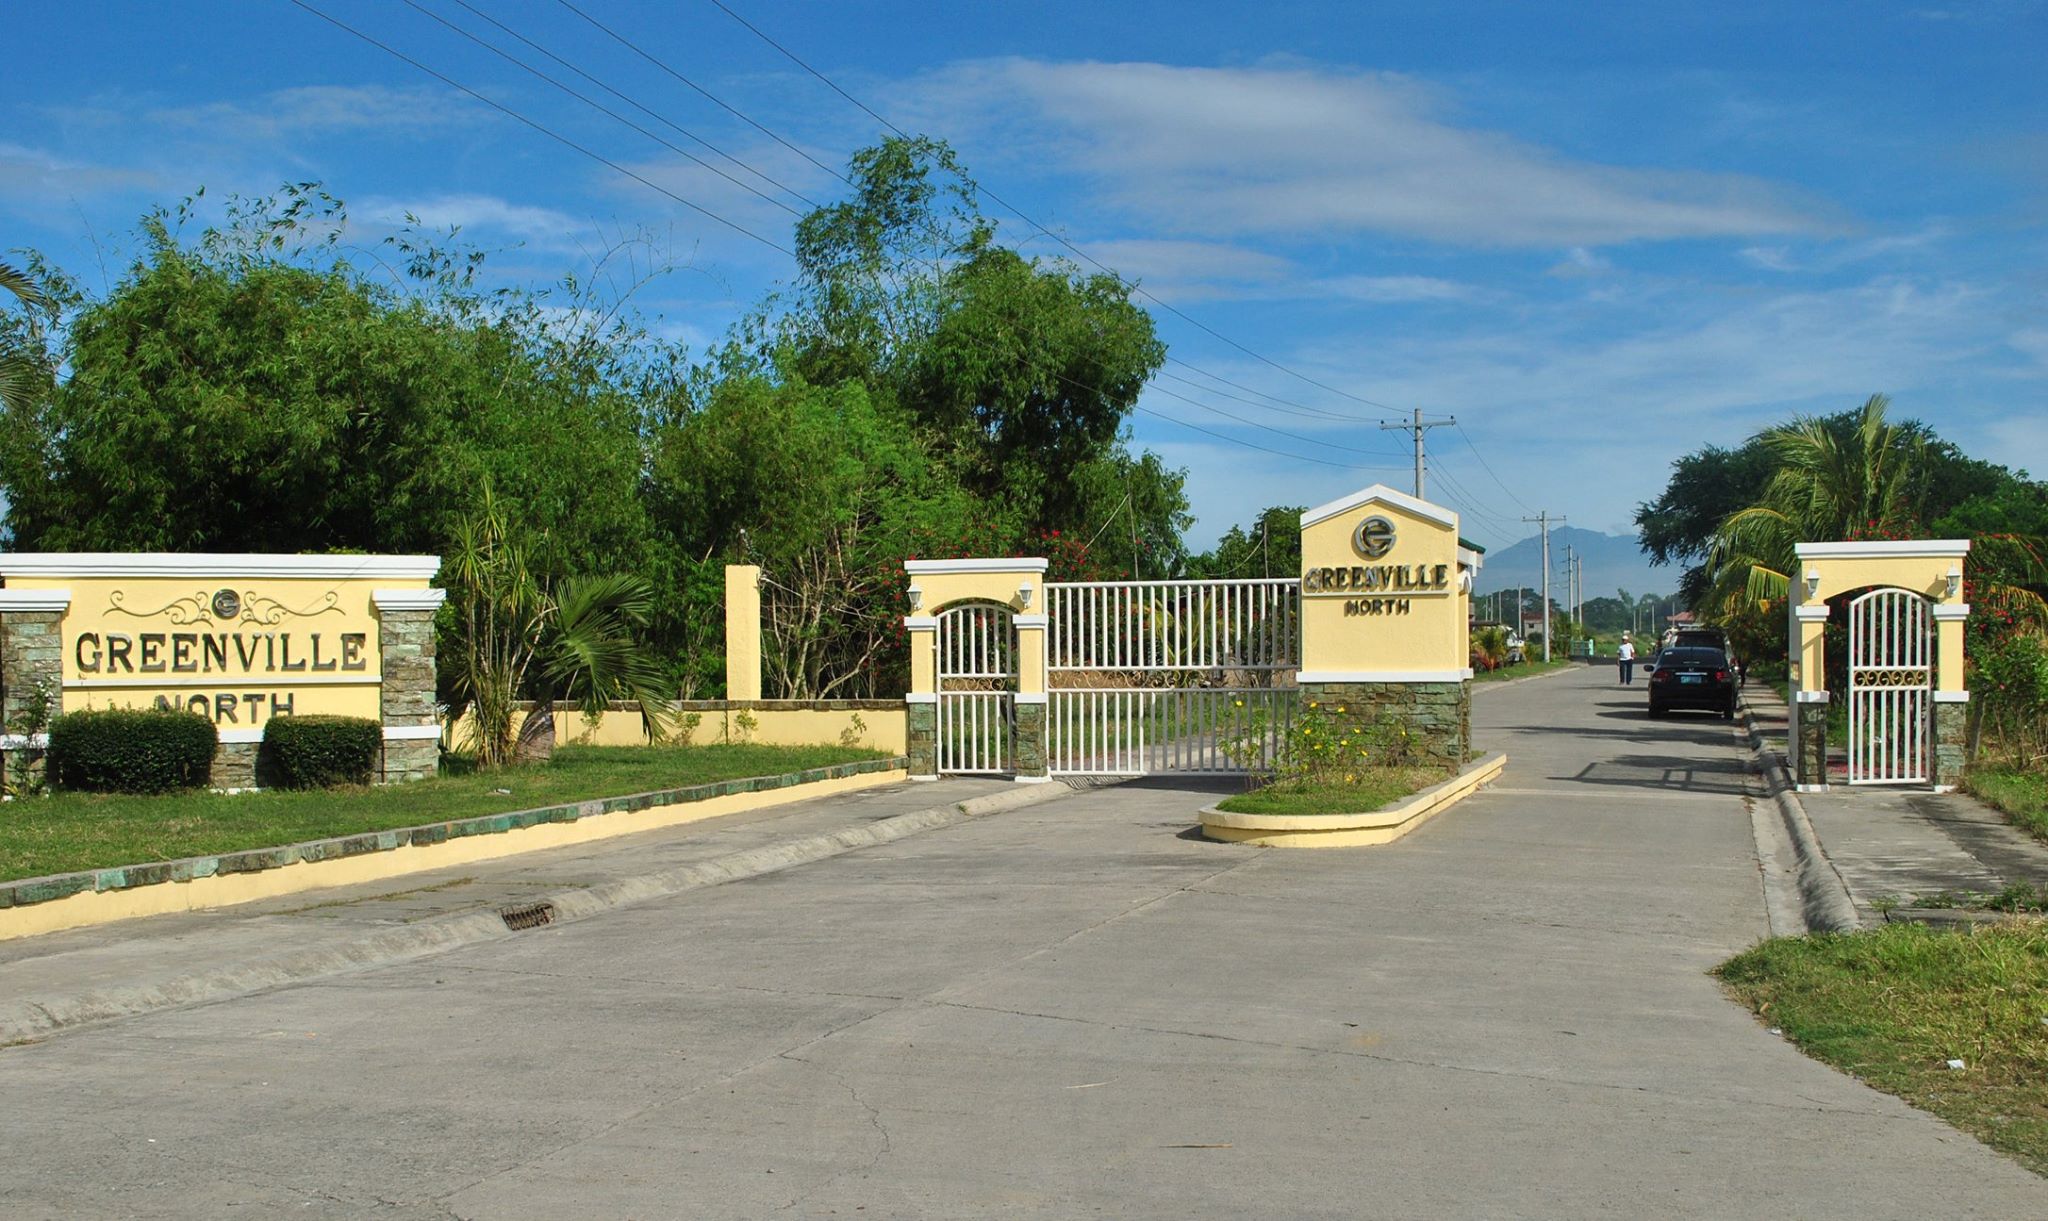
<point x="1145" y="677"/>
<point x="1891" y="663"/>
<point x="977" y="675"/>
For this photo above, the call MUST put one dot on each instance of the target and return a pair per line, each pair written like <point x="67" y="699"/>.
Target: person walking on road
<point x="1627" y="653"/>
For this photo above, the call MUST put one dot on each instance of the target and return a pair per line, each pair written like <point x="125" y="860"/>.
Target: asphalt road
<point x="1075" y="1009"/>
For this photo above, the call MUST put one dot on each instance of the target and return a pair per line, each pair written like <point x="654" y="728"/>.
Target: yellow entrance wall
<point x="140" y="627"/>
<point x="1431" y="638"/>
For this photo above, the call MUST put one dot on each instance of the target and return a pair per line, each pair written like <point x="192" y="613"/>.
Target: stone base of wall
<point x="923" y="751"/>
<point x="1027" y="749"/>
<point x="410" y="759"/>
<point x="234" y="765"/>
<point x="1951" y="740"/>
<point x="1438" y="716"/>
<point x="1809" y="743"/>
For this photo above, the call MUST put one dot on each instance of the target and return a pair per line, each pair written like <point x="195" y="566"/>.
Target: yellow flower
<point x="1313" y="704"/>
<point x="1350" y="779"/>
<point x="1239" y="703"/>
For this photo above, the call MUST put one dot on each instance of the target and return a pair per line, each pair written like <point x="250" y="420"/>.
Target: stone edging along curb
<point x="28" y="891"/>
<point x="28" y="1019"/>
<point x="1824" y="895"/>
<point x="1367" y="828"/>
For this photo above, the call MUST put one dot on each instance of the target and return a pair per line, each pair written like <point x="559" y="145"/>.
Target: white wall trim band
<point x="24" y="741"/>
<point x="121" y="564"/>
<point x="1951" y="697"/>
<point x="921" y="697"/>
<point x="921" y="567"/>
<point x="1813" y="612"/>
<point x="1950" y="610"/>
<point x="411" y="733"/>
<point x="921" y="623"/>
<point x="1029" y="697"/>
<point x="1037" y="621"/>
<point x="23" y="600"/>
<point x="1380" y="493"/>
<point x="1810" y="697"/>
<point x="1381" y="676"/>
<point x="239" y="737"/>
<point x="1886" y="549"/>
<point x="408" y="599"/>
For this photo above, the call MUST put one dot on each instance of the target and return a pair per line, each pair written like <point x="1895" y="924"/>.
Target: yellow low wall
<point x="226" y="890"/>
<point x="882" y="725"/>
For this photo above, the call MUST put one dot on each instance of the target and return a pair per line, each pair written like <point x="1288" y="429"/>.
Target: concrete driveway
<point x="1075" y="1009"/>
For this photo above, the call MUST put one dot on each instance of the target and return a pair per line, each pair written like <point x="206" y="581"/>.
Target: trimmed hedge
<point x="131" y="750"/>
<point x="314" y="752"/>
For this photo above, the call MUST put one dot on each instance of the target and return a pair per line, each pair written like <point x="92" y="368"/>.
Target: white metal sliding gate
<point x="977" y="689"/>
<point x="1169" y="676"/>
<point x="1891" y="663"/>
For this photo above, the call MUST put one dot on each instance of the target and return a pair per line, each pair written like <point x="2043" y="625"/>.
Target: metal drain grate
<point x="531" y="916"/>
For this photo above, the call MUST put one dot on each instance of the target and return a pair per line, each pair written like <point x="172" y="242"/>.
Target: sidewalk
<point x="1900" y="843"/>
<point x="80" y="976"/>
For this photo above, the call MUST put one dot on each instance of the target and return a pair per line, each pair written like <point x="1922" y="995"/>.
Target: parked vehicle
<point x="1517" y="648"/>
<point x="1693" y="677"/>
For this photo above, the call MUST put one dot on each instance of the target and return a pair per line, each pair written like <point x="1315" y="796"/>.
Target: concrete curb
<point x="1364" y="828"/>
<point x="1824" y="895"/>
<point x="34" y="1018"/>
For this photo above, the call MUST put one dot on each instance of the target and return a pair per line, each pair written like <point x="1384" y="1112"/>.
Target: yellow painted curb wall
<point x="1382" y="826"/>
<point x="102" y="907"/>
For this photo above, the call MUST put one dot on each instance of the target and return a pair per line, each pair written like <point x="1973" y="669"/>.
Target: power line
<point x="999" y="201"/>
<point x="627" y="43"/>
<point x="549" y="132"/>
<point x="600" y="107"/>
<point x="646" y="110"/>
<point x="1473" y="446"/>
<point x="1419" y="427"/>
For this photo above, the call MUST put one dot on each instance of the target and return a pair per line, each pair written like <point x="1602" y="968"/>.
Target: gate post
<point x="1951" y="701"/>
<point x="1029" y="744"/>
<point x="1807" y="730"/>
<point x="921" y="702"/>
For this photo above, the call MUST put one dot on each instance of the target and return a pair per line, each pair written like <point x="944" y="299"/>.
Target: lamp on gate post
<point x="1812" y="582"/>
<point x="916" y="596"/>
<point x="1024" y="595"/>
<point x="1955" y="580"/>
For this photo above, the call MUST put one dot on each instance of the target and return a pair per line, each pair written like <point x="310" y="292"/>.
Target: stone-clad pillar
<point x="922" y="700"/>
<point x="31" y="660"/>
<point x="1028" y="746"/>
<point x="412" y="729"/>
<point x="1807" y="729"/>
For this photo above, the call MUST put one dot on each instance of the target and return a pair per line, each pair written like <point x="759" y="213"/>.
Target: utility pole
<point x="1544" y="519"/>
<point x="1418" y="428"/>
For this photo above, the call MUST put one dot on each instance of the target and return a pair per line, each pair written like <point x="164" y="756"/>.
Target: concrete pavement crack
<point x="1274" y="1045"/>
<point x="874" y="1120"/>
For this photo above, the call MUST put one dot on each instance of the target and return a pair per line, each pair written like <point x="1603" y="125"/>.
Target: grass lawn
<point x="1894" y="1005"/>
<point x="1375" y="788"/>
<point x="2022" y="795"/>
<point x="69" y="832"/>
<point x="1523" y="670"/>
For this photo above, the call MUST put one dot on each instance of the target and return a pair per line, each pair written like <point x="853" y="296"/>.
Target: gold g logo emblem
<point x="226" y="604"/>
<point x="1373" y="538"/>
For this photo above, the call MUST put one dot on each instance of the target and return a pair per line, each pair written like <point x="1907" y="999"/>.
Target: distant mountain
<point x="1613" y="561"/>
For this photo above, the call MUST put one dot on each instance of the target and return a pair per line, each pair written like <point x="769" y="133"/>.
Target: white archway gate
<point x="1891" y="686"/>
<point x="1150" y="677"/>
<point x="977" y="690"/>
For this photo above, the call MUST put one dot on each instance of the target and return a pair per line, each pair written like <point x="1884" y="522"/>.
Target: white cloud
<point x="43" y="177"/>
<point x="481" y="215"/>
<point x="1394" y="289"/>
<point x="310" y="110"/>
<point x="1299" y="151"/>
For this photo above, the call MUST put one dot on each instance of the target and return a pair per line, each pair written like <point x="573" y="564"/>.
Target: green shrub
<point x="131" y="750"/>
<point x="312" y="752"/>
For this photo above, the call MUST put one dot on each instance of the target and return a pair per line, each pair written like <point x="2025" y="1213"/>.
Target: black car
<point x="1693" y="677"/>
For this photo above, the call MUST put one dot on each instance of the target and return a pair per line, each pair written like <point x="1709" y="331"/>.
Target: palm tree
<point x="519" y="637"/>
<point x="1828" y="486"/>
<point x="19" y="369"/>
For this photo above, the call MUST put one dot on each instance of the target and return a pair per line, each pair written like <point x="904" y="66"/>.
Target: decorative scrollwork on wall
<point x="226" y="607"/>
<point x="193" y="609"/>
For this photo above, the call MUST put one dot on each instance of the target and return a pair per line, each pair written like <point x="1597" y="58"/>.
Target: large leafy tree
<point x="23" y="371"/>
<point x="250" y="389"/>
<point x="1268" y="545"/>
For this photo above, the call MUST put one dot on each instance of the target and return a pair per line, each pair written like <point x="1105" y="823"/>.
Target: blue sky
<point x="1600" y="235"/>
